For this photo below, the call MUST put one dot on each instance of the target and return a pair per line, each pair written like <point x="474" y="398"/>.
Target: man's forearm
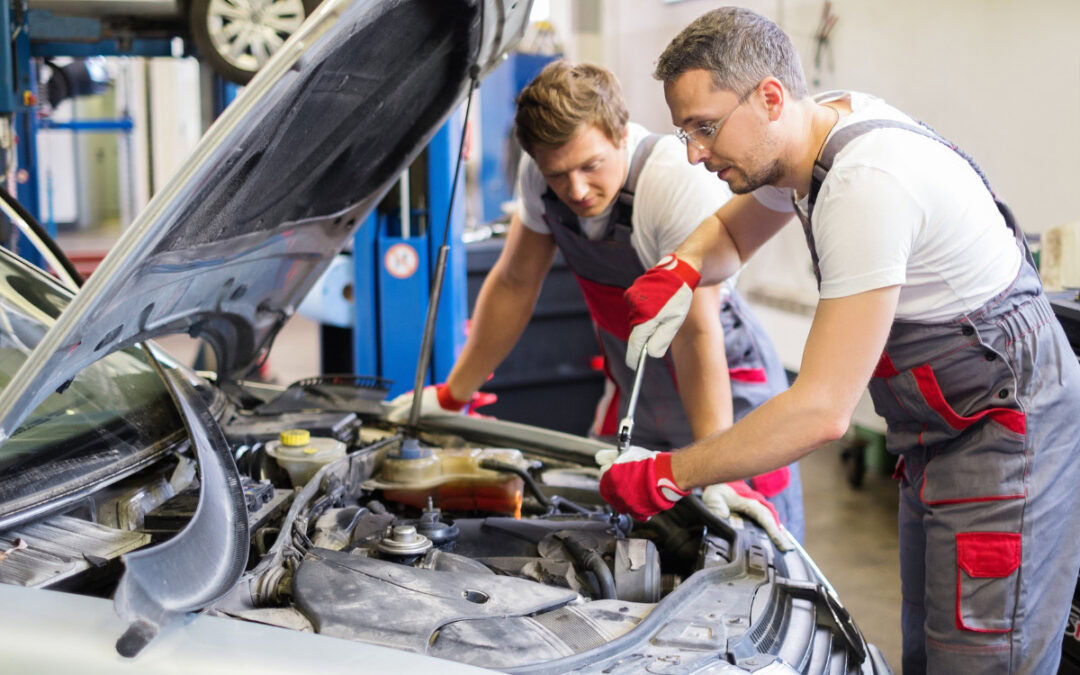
<point x="701" y="366"/>
<point x="711" y="251"/>
<point x="704" y="386"/>
<point x="758" y="444"/>
<point x="850" y="331"/>
<point x="502" y="311"/>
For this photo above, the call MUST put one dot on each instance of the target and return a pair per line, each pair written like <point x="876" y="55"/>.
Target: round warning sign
<point x="401" y="261"/>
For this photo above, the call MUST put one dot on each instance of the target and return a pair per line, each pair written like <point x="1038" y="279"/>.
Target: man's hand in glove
<point x="659" y="301"/>
<point x="737" y="496"/>
<point x="435" y="400"/>
<point x="638" y="482"/>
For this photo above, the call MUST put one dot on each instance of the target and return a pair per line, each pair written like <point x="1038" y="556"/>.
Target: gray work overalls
<point x="984" y="413"/>
<point x="605" y="268"/>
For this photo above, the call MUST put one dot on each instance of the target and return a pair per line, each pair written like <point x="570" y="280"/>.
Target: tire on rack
<point x="236" y="37"/>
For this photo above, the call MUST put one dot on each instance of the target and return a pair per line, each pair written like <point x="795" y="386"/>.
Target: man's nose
<point x="695" y="154"/>
<point x="579" y="187"/>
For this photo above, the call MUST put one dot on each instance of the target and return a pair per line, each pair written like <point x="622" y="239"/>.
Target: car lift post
<point x="40" y="34"/>
<point x="392" y="274"/>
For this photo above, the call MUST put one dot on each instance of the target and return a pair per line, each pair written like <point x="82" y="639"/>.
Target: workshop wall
<point x="176" y="122"/>
<point x="95" y="181"/>
<point x="1000" y="78"/>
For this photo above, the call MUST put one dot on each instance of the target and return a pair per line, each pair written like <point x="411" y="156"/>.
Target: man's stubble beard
<point x="769" y="174"/>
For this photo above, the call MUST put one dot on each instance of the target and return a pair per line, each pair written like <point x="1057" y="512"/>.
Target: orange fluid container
<point x="454" y="480"/>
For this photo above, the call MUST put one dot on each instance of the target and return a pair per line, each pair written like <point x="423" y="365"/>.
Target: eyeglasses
<point x="702" y="137"/>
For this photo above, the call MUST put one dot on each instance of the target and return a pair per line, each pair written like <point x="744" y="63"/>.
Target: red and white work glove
<point x="659" y="301"/>
<point x="638" y="482"/>
<point x="739" y="497"/>
<point x="436" y="400"/>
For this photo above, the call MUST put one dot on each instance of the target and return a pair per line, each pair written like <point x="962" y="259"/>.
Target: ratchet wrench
<point x="626" y="426"/>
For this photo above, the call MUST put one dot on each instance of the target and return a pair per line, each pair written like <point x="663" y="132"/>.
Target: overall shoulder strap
<point x="622" y="212"/>
<point x="637" y="163"/>
<point x="849" y="133"/>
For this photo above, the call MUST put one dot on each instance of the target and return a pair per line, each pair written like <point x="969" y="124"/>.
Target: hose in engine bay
<point x="588" y="558"/>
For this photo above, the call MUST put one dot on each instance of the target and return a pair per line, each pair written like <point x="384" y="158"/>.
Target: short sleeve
<point x="865" y="224"/>
<point x="530" y="190"/>
<point x="774" y="198"/>
<point x="673" y="197"/>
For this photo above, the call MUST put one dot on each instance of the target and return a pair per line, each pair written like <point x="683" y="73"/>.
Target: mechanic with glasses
<point x="612" y="198"/>
<point x="930" y="296"/>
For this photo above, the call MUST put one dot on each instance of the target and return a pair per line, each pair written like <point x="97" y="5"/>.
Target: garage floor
<point x="850" y="533"/>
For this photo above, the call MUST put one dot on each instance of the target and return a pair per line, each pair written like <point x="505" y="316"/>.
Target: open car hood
<point x="276" y="186"/>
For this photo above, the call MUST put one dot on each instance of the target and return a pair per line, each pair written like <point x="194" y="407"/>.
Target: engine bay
<point x="438" y="541"/>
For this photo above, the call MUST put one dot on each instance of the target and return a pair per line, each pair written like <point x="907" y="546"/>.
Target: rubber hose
<point x="594" y="562"/>
<point x="530" y="482"/>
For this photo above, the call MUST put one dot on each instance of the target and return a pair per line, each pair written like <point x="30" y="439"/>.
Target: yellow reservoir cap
<point x="295" y="438"/>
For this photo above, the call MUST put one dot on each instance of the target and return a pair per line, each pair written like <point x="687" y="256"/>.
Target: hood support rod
<point x="440" y="270"/>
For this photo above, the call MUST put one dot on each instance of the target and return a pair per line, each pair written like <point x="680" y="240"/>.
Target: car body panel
<point x="63" y="632"/>
<point x="174" y="577"/>
<point x="228" y="249"/>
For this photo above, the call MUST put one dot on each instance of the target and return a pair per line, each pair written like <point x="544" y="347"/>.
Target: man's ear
<point x="774" y="96"/>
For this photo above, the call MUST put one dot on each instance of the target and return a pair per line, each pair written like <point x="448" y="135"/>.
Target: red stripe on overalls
<point x="925" y="379"/>
<point x="1013" y="420"/>
<point x="885" y="367"/>
<point x="751" y="375"/>
<point x="609" y="426"/>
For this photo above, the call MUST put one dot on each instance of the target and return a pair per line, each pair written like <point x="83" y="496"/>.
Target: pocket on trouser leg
<point x="987" y="565"/>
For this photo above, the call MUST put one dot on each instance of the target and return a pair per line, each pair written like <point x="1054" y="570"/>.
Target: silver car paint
<point x="241" y="288"/>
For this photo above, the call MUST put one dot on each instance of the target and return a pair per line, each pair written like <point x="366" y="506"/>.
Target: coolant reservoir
<point x="301" y="455"/>
<point x="452" y="478"/>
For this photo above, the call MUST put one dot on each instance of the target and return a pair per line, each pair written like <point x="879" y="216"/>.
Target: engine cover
<point x="359" y="598"/>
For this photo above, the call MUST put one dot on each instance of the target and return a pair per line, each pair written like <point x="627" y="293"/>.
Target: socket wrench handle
<point x="626" y="426"/>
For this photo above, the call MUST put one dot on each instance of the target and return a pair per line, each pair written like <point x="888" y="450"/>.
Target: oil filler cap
<point x="295" y="438"/>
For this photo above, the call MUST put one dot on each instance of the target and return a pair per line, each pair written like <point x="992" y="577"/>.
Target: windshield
<point x="114" y="414"/>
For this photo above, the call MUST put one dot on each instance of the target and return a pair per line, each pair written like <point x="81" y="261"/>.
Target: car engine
<point x="473" y="540"/>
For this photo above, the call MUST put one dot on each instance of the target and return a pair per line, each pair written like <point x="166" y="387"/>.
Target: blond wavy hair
<point x="565" y="97"/>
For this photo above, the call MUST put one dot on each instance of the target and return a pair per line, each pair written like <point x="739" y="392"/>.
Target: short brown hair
<point x="738" y="47"/>
<point x="563" y="98"/>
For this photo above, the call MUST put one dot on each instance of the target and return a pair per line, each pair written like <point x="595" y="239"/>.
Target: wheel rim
<point x="246" y="33"/>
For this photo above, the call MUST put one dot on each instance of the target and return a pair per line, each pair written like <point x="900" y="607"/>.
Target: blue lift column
<point x="454" y="302"/>
<point x="7" y="73"/>
<point x="392" y="278"/>
<point x="26" y="125"/>
<point x="403" y="273"/>
<point x="42" y="34"/>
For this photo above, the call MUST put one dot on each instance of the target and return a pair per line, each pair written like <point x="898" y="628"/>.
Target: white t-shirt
<point x="671" y="199"/>
<point x="900" y="208"/>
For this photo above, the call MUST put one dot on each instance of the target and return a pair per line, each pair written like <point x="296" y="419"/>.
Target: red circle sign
<point x="401" y="261"/>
